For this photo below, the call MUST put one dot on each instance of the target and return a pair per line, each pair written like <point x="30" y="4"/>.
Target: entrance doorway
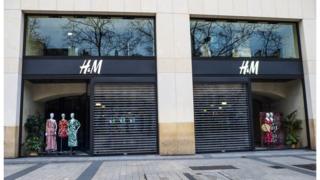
<point x="42" y="97"/>
<point x="263" y="106"/>
<point x="272" y="104"/>
<point x="67" y="105"/>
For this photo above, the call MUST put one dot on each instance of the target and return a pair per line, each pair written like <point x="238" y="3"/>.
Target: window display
<point x="67" y="129"/>
<point x="276" y="112"/>
<point x="271" y="128"/>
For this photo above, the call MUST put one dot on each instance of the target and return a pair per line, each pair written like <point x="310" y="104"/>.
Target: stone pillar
<point x="308" y="48"/>
<point x="175" y="91"/>
<point x="12" y="78"/>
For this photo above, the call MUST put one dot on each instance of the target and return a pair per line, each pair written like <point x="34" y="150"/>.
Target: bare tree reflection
<point x="36" y="41"/>
<point x="200" y="31"/>
<point x="136" y="40"/>
<point x="235" y="39"/>
<point x="271" y="41"/>
<point x="231" y="36"/>
<point x="144" y="30"/>
<point x="223" y="37"/>
<point x="92" y="31"/>
<point x="116" y="37"/>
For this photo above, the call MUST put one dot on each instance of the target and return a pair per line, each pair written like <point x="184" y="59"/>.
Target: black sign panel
<point x="247" y="68"/>
<point x="84" y="67"/>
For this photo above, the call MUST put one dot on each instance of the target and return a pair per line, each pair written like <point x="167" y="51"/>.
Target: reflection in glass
<point x="89" y="36"/>
<point x="243" y="39"/>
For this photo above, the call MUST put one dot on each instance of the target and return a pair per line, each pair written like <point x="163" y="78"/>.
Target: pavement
<point x="262" y="165"/>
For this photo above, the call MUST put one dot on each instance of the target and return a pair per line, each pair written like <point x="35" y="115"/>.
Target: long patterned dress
<point x="63" y="129"/>
<point x="73" y="127"/>
<point x="51" y="129"/>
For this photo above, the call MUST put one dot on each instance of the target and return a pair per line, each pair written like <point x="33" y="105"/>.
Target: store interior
<point x="278" y="114"/>
<point x="41" y="98"/>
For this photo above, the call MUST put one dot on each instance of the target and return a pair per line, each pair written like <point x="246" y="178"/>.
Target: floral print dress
<point x="63" y="129"/>
<point x="51" y="128"/>
<point x="73" y="127"/>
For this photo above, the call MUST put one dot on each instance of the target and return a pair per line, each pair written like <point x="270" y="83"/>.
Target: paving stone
<point x="14" y="168"/>
<point x="250" y="165"/>
<point x="288" y="160"/>
<point x="55" y="171"/>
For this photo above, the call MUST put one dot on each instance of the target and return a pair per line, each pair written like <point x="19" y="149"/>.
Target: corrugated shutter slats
<point x="221" y="117"/>
<point x="124" y="119"/>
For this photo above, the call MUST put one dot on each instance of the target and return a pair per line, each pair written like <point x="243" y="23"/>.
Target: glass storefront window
<point x="243" y="39"/>
<point x="89" y="36"/>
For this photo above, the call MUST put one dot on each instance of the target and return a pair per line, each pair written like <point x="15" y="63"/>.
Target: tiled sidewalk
<point x="286" y="164"/>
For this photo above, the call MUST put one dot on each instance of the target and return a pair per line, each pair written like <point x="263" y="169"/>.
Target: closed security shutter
<point x="125" y="119"/>
<point x="221" y="117"/>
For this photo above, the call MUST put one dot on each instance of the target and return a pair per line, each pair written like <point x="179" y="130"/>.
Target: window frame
<point x="256" y="21"/>
<point x="86" y="15"/>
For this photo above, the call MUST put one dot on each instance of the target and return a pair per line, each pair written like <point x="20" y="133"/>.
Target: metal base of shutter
<point x="222" y="120"/>
<point x="125" y="119"/>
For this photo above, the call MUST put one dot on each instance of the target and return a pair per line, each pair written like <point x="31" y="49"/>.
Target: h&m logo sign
<point x="91" y="66"/>
<point x="249" y="67"/>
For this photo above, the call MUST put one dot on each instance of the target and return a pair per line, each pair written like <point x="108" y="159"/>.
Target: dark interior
<point x="259" y="104"/>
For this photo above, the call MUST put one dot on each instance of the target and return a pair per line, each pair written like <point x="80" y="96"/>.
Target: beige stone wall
<point x="176" y="138"/>
<point x="11" y="141"/>
<point x="175" y="95"/>
<point x="175" y="92"/>
<point x="308" y="45"/>
<point x="13" y="33"/>
<point x="313" y="129"/>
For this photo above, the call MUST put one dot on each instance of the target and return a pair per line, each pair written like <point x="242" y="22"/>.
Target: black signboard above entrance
<point x="89" y="66"/>
<point x="254" y="68"/>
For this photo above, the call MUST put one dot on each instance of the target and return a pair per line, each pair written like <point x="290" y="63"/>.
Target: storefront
<point x="102" y="69"/>
<point x="248" y="85"/>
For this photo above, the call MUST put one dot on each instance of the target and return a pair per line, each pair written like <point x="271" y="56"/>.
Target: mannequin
<point x="267" y="128"/>
<point x="73" y="127"/>
<point x="51" y="130"/>
<point x="205" y="47"/>
<point x="63" y="130"/>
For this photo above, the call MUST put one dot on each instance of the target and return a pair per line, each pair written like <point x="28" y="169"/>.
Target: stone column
<point x="175" y="91"/>
<point x="12" y="78"/>
<point x="308" y="45"/>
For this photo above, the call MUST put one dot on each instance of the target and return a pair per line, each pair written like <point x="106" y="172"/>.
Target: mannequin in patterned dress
<point x="51" y="130"/>
<point x="63" y="129"/>
<point x="73" y="127"/>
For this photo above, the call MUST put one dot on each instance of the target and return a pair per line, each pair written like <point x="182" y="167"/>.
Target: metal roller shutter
<point x="125" y="119"/>
<point x="222" y="120"/>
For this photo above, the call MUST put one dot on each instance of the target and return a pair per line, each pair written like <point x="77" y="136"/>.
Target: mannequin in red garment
<point x="63" y="129"/>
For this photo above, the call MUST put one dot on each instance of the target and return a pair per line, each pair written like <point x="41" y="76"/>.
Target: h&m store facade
<point x="246" y="75"/>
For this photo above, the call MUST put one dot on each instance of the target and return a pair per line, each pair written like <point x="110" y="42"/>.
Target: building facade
<point x="161" y="76"/>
